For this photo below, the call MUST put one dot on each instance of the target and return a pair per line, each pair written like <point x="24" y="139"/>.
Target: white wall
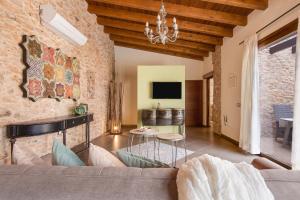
<point x="232" y="58"/>
<point x="155" y="73"/>
<point x="127" y="61"/>
<point x="207" y="64"/>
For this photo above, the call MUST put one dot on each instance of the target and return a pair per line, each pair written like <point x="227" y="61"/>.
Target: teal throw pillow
<point x="131" y="160"/>
<point x="63" y="156"/>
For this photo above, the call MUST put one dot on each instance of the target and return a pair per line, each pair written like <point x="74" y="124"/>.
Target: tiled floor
<point x="276" y="150"/>
<point x="199" y="140"/>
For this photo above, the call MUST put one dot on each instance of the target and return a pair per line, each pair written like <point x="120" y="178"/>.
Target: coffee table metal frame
<point x="174" y="139"/>
<point x="142" y="135"/>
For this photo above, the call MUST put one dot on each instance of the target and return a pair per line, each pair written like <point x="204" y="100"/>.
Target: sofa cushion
<point x="88" y="183"/>
<point x="137" y="161"/>
<point x="264" y="163"/>
<point x="22" y="155"/>
<point x="63" y="156"/>
<point x="284" y="184"/>
<point x="100" y="157"/>
<point x="93" y="183"/>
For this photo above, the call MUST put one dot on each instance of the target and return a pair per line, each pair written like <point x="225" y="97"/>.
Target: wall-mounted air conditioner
<point x="56" y="23"/>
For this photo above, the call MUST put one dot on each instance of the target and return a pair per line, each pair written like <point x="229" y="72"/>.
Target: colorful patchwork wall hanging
<point x="50" y="73"/>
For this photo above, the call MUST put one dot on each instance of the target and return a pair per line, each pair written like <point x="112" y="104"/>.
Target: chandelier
<point x="162" y="30"/>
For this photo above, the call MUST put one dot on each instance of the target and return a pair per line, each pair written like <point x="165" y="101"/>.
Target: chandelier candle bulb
<point x="147" y="28"/>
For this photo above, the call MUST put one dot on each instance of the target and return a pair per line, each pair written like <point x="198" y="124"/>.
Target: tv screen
<point x="166" y="90"/>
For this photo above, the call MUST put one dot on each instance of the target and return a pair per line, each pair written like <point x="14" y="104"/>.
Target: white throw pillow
<point x="24" y="156"/>
<point x="103" y="158"/>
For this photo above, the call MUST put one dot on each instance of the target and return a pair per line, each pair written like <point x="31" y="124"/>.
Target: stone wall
<point x="216" y="60"/>
<point x="277" y="78"/>
<point x="21" y="17"/>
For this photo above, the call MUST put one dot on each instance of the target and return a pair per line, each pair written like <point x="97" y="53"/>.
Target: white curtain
<point x="296" y="124"/>
<point x="250" y="120"/>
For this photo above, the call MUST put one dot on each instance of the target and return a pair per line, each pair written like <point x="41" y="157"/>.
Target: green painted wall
<point x="162" y="73"/>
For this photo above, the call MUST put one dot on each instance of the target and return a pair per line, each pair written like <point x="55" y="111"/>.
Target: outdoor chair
<point x="281" y="111"/>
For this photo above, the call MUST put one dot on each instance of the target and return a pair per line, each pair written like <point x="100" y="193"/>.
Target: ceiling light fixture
<point x="162" y="30"/>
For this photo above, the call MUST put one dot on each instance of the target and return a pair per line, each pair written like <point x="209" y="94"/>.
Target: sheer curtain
<point x="250" y="121"/>
<point x="296" y="124"/>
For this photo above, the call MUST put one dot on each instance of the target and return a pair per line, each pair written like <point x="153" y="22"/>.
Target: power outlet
<point x="225" y="119"/>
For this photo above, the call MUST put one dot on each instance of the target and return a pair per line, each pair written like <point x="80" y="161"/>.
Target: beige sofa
<point x="91" y="183"/>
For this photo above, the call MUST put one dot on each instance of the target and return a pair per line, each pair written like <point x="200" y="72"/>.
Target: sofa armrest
<point x="264" y="163"/>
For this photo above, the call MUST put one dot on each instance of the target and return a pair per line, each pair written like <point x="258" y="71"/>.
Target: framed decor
<point x="49" y="73"/>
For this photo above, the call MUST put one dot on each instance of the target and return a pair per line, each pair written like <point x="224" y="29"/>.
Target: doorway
<point x="210" y="101"/>
<point x="277" y="55"/>
<point x="193" y="102"/>
<point x="209" y="98"/>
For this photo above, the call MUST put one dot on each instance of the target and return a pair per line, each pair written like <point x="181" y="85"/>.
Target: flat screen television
<point x="166" y="90"/>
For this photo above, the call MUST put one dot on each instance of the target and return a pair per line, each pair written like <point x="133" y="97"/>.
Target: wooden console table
<point x="164" y="117"/>
<point x="50" y="125"/>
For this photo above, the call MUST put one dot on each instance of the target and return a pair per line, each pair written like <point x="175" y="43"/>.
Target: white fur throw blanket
<point x="210" y="178"/>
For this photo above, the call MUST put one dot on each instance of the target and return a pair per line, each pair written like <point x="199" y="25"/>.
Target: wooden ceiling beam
<point x="249" y="4"/>
<point x="169" y="47"/>
<point x="144" y="48"/>
<point x="140" y="28"/>
<point x="182" y="10"/>
<point x="139" y="35"/>
<point x="142" y="18"/>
